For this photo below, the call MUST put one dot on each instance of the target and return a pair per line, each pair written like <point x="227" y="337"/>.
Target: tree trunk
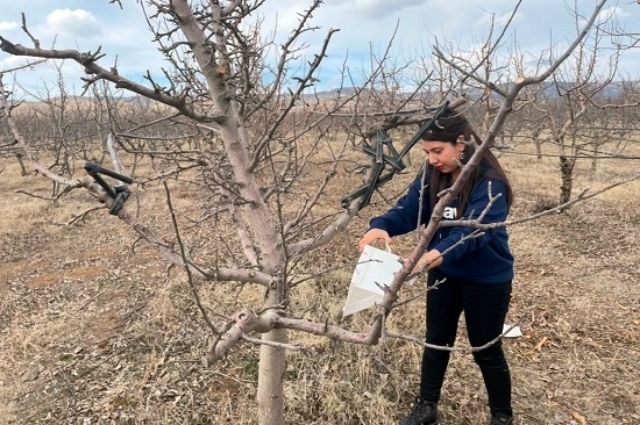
<point x="566" y="170"/>
<point x="271" y="374"/>
<point x="538" y="144"/>
<point x="594" y="160"/>
<point x="23" y="169"/>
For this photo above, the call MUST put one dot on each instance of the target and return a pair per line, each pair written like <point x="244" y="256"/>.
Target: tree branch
<point x="89" y="61"/>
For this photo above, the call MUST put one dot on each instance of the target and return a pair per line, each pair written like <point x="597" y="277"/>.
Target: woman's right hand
<point x="373" y="235"/>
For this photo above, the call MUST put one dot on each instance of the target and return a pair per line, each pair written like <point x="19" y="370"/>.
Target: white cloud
<point x="473" y="53"/>
<point x="8" y="26"/>
<point x="502" y="20"/>
<point x="613" y="12"/>
<point x="77" y="22"/>
<point x="377" y="8"/>
<point x="499" y="20"/>
<point x="14" y="62"/>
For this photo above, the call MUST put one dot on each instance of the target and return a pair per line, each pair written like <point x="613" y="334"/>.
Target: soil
<point x="96" y="329"/>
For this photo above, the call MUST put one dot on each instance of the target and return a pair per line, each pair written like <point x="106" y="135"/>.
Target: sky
<point x="365" y="26"/>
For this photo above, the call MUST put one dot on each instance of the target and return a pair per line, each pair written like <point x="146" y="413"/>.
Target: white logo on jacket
<point x="450" y="213"/>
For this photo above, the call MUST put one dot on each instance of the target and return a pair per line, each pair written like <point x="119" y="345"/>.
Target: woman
<point x="475" y="275"/>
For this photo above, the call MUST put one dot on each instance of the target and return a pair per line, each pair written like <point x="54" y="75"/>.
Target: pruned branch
<point x="188" y="270"/>
<point x="215" y="274"/>
<point x="89" y="61"/>
<point x="583" y="196"/>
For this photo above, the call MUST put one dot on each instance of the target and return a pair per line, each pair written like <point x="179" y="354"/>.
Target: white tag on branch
<point x="513" y="331"/>
<point x="373" y="272"/>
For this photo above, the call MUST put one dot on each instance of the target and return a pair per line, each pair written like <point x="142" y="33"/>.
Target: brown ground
<point x="92" y="331"/>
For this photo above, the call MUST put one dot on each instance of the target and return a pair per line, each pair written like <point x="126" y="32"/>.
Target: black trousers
<point x="485" y="308"/>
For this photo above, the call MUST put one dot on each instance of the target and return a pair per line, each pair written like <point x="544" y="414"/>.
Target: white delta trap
<point x="373" y="272"/>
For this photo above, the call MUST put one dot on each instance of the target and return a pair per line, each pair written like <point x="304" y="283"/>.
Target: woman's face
<point x="443" y="155"/>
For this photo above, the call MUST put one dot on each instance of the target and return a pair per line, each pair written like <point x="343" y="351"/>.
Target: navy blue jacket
<point x="485" y="259"/>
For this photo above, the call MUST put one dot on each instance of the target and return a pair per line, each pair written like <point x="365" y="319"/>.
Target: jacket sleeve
<point x="403" y="217"/>
<point x="477" y="204"/>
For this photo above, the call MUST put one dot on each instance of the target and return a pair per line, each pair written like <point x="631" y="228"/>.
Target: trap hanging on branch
<point x="119" y="193"/>
<point x="393" y="159"/>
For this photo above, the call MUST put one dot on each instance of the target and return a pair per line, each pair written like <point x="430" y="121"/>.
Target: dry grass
<point x="91" y="333"/>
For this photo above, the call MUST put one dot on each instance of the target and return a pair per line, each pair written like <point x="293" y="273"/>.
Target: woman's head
<point x="444" y="156"/>
<point x="449" y="143"/>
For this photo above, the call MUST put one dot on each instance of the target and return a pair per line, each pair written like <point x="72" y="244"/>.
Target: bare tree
<point x="253" y="144"/>
<point x="251" y="154"/>
<point x="8" y="143"/>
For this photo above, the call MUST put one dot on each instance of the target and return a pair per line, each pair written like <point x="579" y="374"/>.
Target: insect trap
<point x="374" y="271"/>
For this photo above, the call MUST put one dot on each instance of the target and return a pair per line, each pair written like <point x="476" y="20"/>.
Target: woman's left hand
<point x="429" y="260"/>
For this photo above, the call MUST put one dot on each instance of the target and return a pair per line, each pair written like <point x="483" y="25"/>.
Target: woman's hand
<point x="429" y="260"/>
<point x="372" y="236"/>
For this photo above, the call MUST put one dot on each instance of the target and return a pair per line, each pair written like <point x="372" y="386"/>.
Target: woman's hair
<point x="447" y="128"/>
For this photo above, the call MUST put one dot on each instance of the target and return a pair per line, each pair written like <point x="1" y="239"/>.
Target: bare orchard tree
<point x="261" y="139"/>
<point x="484" y="74"/>
<point x="578" y="121"/>
<point x="8" y="144"/>
<point x="612" y="124"/>
<point x="256" y="145"/>
<point x="570" y="111"/>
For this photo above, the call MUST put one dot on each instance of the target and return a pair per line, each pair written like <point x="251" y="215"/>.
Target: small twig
<point x="24" y="66"/>
<point x="436" y="284"/>
<point x="149" y="124"/>
<point x="192" y="284"/>
<point x="240" y="381"/>
<point x="273" y="344"/>
<point x="36" y="42"/>
<point x="170" y="173"/>
<point x="83" y="215"/>
<point x="33" y="195"/>
<point x="452" y="349"/>
<point x="473" y="235"/>
<point x="86" y="303"/>
<point x="557" y="209"/>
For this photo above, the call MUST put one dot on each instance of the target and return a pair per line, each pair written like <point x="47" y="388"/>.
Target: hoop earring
<point x="461" y="156"/>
